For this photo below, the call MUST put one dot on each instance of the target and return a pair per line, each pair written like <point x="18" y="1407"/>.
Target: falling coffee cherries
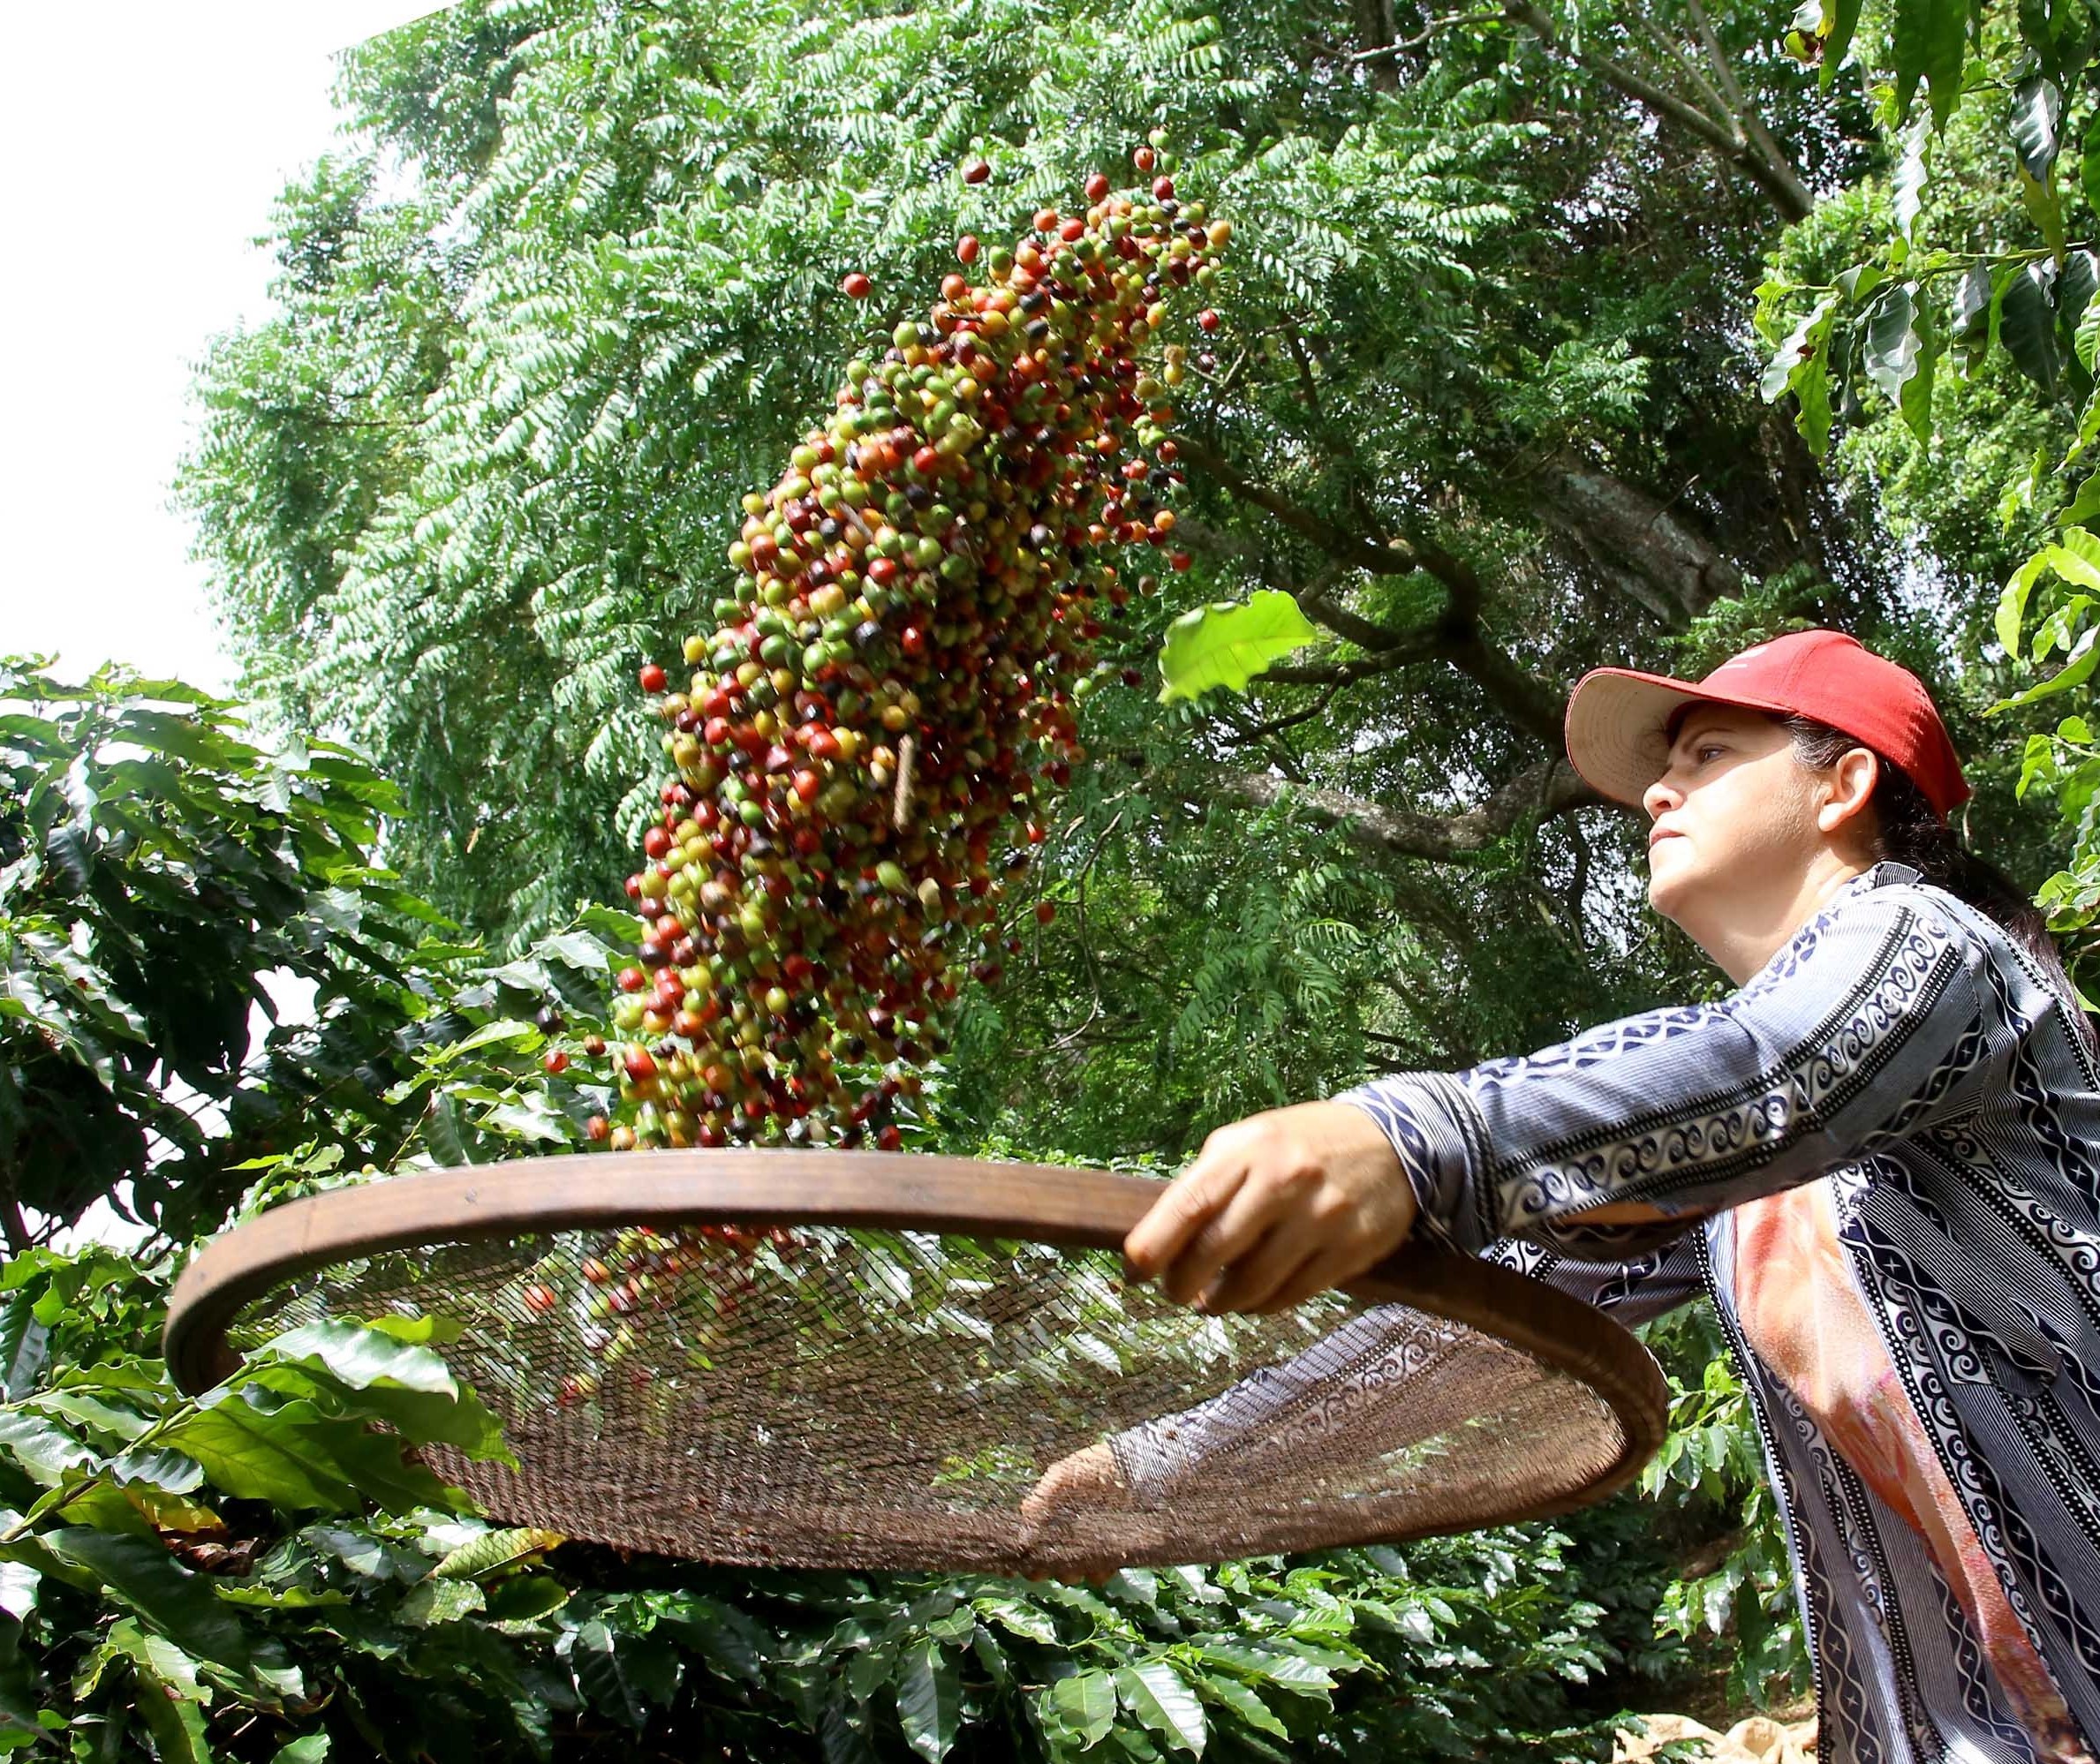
<point x="885" y="700"/>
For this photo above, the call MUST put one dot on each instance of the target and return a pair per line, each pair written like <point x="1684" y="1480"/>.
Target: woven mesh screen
<point x="833" y="1398"/>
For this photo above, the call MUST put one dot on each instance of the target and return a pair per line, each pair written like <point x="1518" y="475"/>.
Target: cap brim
<point x="1617" y="726"/>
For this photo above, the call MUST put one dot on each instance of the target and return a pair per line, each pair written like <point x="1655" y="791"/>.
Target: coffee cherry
<point x="887" y="700"/>
<point x="555" y="1061"/>
<point x="654" y="678"/>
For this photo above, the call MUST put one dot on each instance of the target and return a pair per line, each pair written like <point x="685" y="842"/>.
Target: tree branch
<point x="1548" y="789"/>
<point x="1526" y="700"/>
<point x="1338" y="673"/>
<point x="1635" y="541"/>
<point x="1747" y="118"/>
<point x="1262" y="731"/>
<point x="1456" y="638"/>
<point x="1758" y="160"/>
<point x="1395" y="557"/>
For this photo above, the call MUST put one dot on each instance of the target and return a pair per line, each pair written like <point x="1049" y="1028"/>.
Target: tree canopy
<point x="1485" y="406"/>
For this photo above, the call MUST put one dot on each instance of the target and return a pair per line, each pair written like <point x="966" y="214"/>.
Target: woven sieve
<point x="867" y="1359"/>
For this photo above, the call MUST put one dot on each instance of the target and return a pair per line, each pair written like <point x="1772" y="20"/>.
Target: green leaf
<point x="21" y="1690"/>
<point x="297" y="1457"/>
<point x="2077" y="670"/>
<point x="523" y="1598"/>
<point x="735" y="1645"/>
<point x="511" y="1030"/>
<point x="43" y="1448"/>
<point x="428" y="1328"/>
<point x="1804" y="342"/>
<point x="175" y="1722"/>
<point x="1161" y="1697"/>
<point x="282" y="1598"/>
<point x="2013" y="599"/>
<point x="1975" y="307"/>
<point x="2035" y="763"/>
<point x="433" y="1601"/>
<point x="1899" y="354"/>
<point x="349" y="1369"/>
<point x="494" y="1550"/>
<point x="1223" y="644"/>
<point x="620" y="1674"/>
<point x="88" y="1410"/>
<point x="1801" y="367"/>
<point x="1840" y="19"/>
<point x="313" y="1749"/>
<point x="929" y="1705"/>
<point x="361" y="1357"/>
<point x="1022" y="1620"/>
<point x="2085" y="340"/>
<point x="180" y="1604"/>
<point x="1244" y="1702"/>
<point x="2044" y="205"/>
<point x="1929" y="39"/>
<point x="2037" y="111"/>
<point x="2027" y="329"/>
<point x="19" y="1584"/>
<point x="1081" y="1705"/>
<point x="2085" y="506"/>
<point x="2075" y="283"/>
<point x="1908" y="188"/>
<point x="1291" y="1670"/>
<point x="172" y="1472"/>
<point x="23" y="1342"/>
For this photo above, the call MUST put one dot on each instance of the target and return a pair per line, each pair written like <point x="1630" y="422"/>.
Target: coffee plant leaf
<point x="1227" y="645"/>
<point x="1161" y="1697"/>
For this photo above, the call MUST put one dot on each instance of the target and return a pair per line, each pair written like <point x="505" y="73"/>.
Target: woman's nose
<point x="1660" y="798"/>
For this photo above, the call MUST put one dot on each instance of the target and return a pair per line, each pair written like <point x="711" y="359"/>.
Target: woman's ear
<point x="1849" y="789"/>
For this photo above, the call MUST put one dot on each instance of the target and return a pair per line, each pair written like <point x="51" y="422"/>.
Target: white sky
<point x="156" y="167"/>
<point x="159" y="140"/>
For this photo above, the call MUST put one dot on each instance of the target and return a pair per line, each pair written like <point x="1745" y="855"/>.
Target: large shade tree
<point x="1485" y="405"/>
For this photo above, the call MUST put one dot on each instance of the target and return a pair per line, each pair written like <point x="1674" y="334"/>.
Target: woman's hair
<point x="1907" y="831"/>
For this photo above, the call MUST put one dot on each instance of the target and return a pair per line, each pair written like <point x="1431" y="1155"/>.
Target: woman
<point x="1880" y="1155"/>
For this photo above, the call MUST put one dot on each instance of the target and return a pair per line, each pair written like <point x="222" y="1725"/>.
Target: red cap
<point x="1618" y="721"/>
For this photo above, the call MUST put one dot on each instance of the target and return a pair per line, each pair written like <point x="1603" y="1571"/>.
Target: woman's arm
<point x="1869" y="1022"/>
<point x="1856" y="1033"/>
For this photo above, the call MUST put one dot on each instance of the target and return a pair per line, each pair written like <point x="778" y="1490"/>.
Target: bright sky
<point x="159" y="146"/>
<point x="156" y="170"/>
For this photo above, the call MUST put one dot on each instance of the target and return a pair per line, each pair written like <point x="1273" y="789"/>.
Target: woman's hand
<point x="1275" y="1209"/>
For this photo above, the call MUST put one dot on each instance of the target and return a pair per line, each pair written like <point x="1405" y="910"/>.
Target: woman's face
<point x="1733" y="821"/>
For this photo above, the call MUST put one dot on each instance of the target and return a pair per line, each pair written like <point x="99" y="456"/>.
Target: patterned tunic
<point x="1881" y="1158"/>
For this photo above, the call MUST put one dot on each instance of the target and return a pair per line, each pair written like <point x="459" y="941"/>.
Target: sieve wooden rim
<point x="1059" y="1204"/>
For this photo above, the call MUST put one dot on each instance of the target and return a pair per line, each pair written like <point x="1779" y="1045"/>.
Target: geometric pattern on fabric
<point x="1903" y="1048"/>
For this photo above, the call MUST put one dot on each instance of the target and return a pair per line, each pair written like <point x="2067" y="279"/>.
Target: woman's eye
<point x="1706" y="749"/>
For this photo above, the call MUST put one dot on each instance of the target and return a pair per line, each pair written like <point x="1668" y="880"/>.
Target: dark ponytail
<point x="1906" y="831"/>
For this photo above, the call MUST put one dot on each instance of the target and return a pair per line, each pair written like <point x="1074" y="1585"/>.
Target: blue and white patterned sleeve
<point x="1319" y="1406"/>
<point x="1860" y="1029"/>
